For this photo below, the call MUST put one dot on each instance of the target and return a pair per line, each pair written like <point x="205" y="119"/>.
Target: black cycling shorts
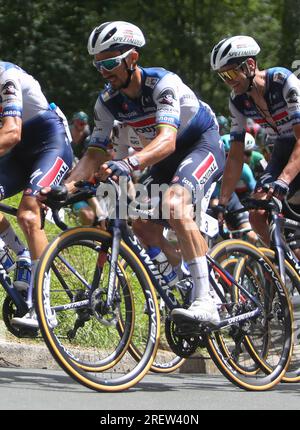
<point x="42" y="158"/>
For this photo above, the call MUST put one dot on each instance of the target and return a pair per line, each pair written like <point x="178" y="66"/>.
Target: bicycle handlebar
<point x="250" y="204"/>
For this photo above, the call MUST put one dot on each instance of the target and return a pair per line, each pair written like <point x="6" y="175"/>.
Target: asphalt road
<point x="38" y="389"/>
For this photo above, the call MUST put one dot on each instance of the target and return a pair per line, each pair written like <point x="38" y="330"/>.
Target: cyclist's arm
<point x="159" y="148"/>
<point x="235" y="159"/>
<point x="10" y="133"/>
<point x="291" y="94"/>
<point x="292" y="168"/>
<point x="168" y="112"/>
<point x="248" y="177"/>
<point x="87" y="166"/>
<point x="232" y="171"/>
<point x="96" y="153"/>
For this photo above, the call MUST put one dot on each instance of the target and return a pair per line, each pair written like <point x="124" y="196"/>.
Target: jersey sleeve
<point x="11" y="94"/>
<point x="166" y="98"/>
<point x="103" y="124"/>
<point x="238" y="123"/>
<point x="248" y="177"/>
<point x="291" y="94"/>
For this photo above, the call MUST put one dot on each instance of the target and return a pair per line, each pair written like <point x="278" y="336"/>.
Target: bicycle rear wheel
<point x="87" y="341"/>
<point x="166" y="361"/>
<point x="255" y="353"/>
<point x="293" y="287"/>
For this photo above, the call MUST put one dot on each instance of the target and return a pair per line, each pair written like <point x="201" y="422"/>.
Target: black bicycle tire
<point x="294" y="376"/>
<point x="271" y="379"/>
<point x="65" y="362"/>
<point x="256" y="366"/>
<point x="157" y="367"/>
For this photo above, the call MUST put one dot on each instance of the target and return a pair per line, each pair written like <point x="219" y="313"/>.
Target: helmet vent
<point x="110" y="34"/>
<point x="226" y="50"/>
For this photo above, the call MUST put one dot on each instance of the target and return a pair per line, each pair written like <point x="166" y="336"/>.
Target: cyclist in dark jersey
<point x="180" y="140"/>
<point x="272" y="99"/>
<point x="35" y="152"/>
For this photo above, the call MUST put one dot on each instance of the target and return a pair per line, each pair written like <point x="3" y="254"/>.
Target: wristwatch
<point x="133" y="162"/>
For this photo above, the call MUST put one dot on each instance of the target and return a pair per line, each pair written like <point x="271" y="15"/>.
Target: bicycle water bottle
<point x="6" y="260"/>
<point x="164" y="267"/>
<point x="23" y="271"/>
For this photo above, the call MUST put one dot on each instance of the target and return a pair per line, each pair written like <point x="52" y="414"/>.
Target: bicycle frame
<point x="120" y="229"/>
<point x="5" y="280"/>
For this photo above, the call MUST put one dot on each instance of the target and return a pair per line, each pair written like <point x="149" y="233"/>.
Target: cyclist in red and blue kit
<point x="179" y="138"/>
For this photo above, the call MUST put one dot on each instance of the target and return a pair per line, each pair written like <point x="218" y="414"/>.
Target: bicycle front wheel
<point x="87" y="339"/>
<point x="255" y="353"/>
<point x="292" y="284"/>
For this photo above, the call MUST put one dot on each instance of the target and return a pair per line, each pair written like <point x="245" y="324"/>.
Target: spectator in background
<point x="80" y="132"/>
<point x="223" y="124"/>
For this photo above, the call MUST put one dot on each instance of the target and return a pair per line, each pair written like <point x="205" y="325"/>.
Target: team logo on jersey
<point x="293" y="95"/>
<point x="151" y="82"/>
<point x="146" y="101"/>
<point x="167" y="97"/>
<point x="55" y="174"/>
<point x="9" y="88"/>
<point x="279" y="77"/>
<point x="206" y="169"/>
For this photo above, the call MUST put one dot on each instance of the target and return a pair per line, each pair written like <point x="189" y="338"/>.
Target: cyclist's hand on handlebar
<point x="278" y="189"/>
<point x="113" y="169"/>
<point x="117" y="168"/>
<point x="53" y="196"/>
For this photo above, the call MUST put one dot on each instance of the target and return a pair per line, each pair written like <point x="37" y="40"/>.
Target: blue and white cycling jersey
<point x="164" y="101"/>
<point x="282" y="96"/>
<point x="20" y="93"/>
<point x="44" y="155"/>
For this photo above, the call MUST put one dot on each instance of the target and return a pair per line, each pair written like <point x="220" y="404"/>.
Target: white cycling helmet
<point x="115" y="35"/>
<point x="249" y="142"/>
<point x="233" y="50"/>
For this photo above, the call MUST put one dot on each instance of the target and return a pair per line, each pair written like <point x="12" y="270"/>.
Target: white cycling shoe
<point x="201" y="310"/>
<point x="30" y="320"/>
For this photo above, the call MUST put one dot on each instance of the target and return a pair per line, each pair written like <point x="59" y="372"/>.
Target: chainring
<point x="9" y="311"/>
<point x="183" y="339"/>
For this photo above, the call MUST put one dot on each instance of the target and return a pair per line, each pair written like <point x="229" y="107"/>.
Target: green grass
<point x="51" y="230"/>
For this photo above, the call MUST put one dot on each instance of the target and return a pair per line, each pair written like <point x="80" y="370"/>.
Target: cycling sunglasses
<point x="231" y="74"/>
<point x="110" y="63"/>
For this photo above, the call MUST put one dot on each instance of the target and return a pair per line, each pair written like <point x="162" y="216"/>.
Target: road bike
<point x="284" y="238"/>
<point x="113" y="307"/>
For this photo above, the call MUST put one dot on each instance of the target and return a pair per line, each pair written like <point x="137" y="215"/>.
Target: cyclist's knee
<point x="177" y="205"/>
<point x="86" y="216"/>
<point x="29" y="214"/>
<point x="148" y="232"/>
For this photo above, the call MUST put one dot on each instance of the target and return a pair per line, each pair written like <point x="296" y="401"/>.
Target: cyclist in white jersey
<point x="180" y="140"/>
<point x="272" y="99"/>
<point x="34" y="152"/>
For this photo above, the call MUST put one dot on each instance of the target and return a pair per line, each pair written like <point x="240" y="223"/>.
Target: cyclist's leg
<point x="10" y="184"/>
<point x="150" y="231"/>
<point x="52" y="163"/>
<point x="239" y="221"/>
<point x="191" y="182"/>
<point x="47" y="162"/>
